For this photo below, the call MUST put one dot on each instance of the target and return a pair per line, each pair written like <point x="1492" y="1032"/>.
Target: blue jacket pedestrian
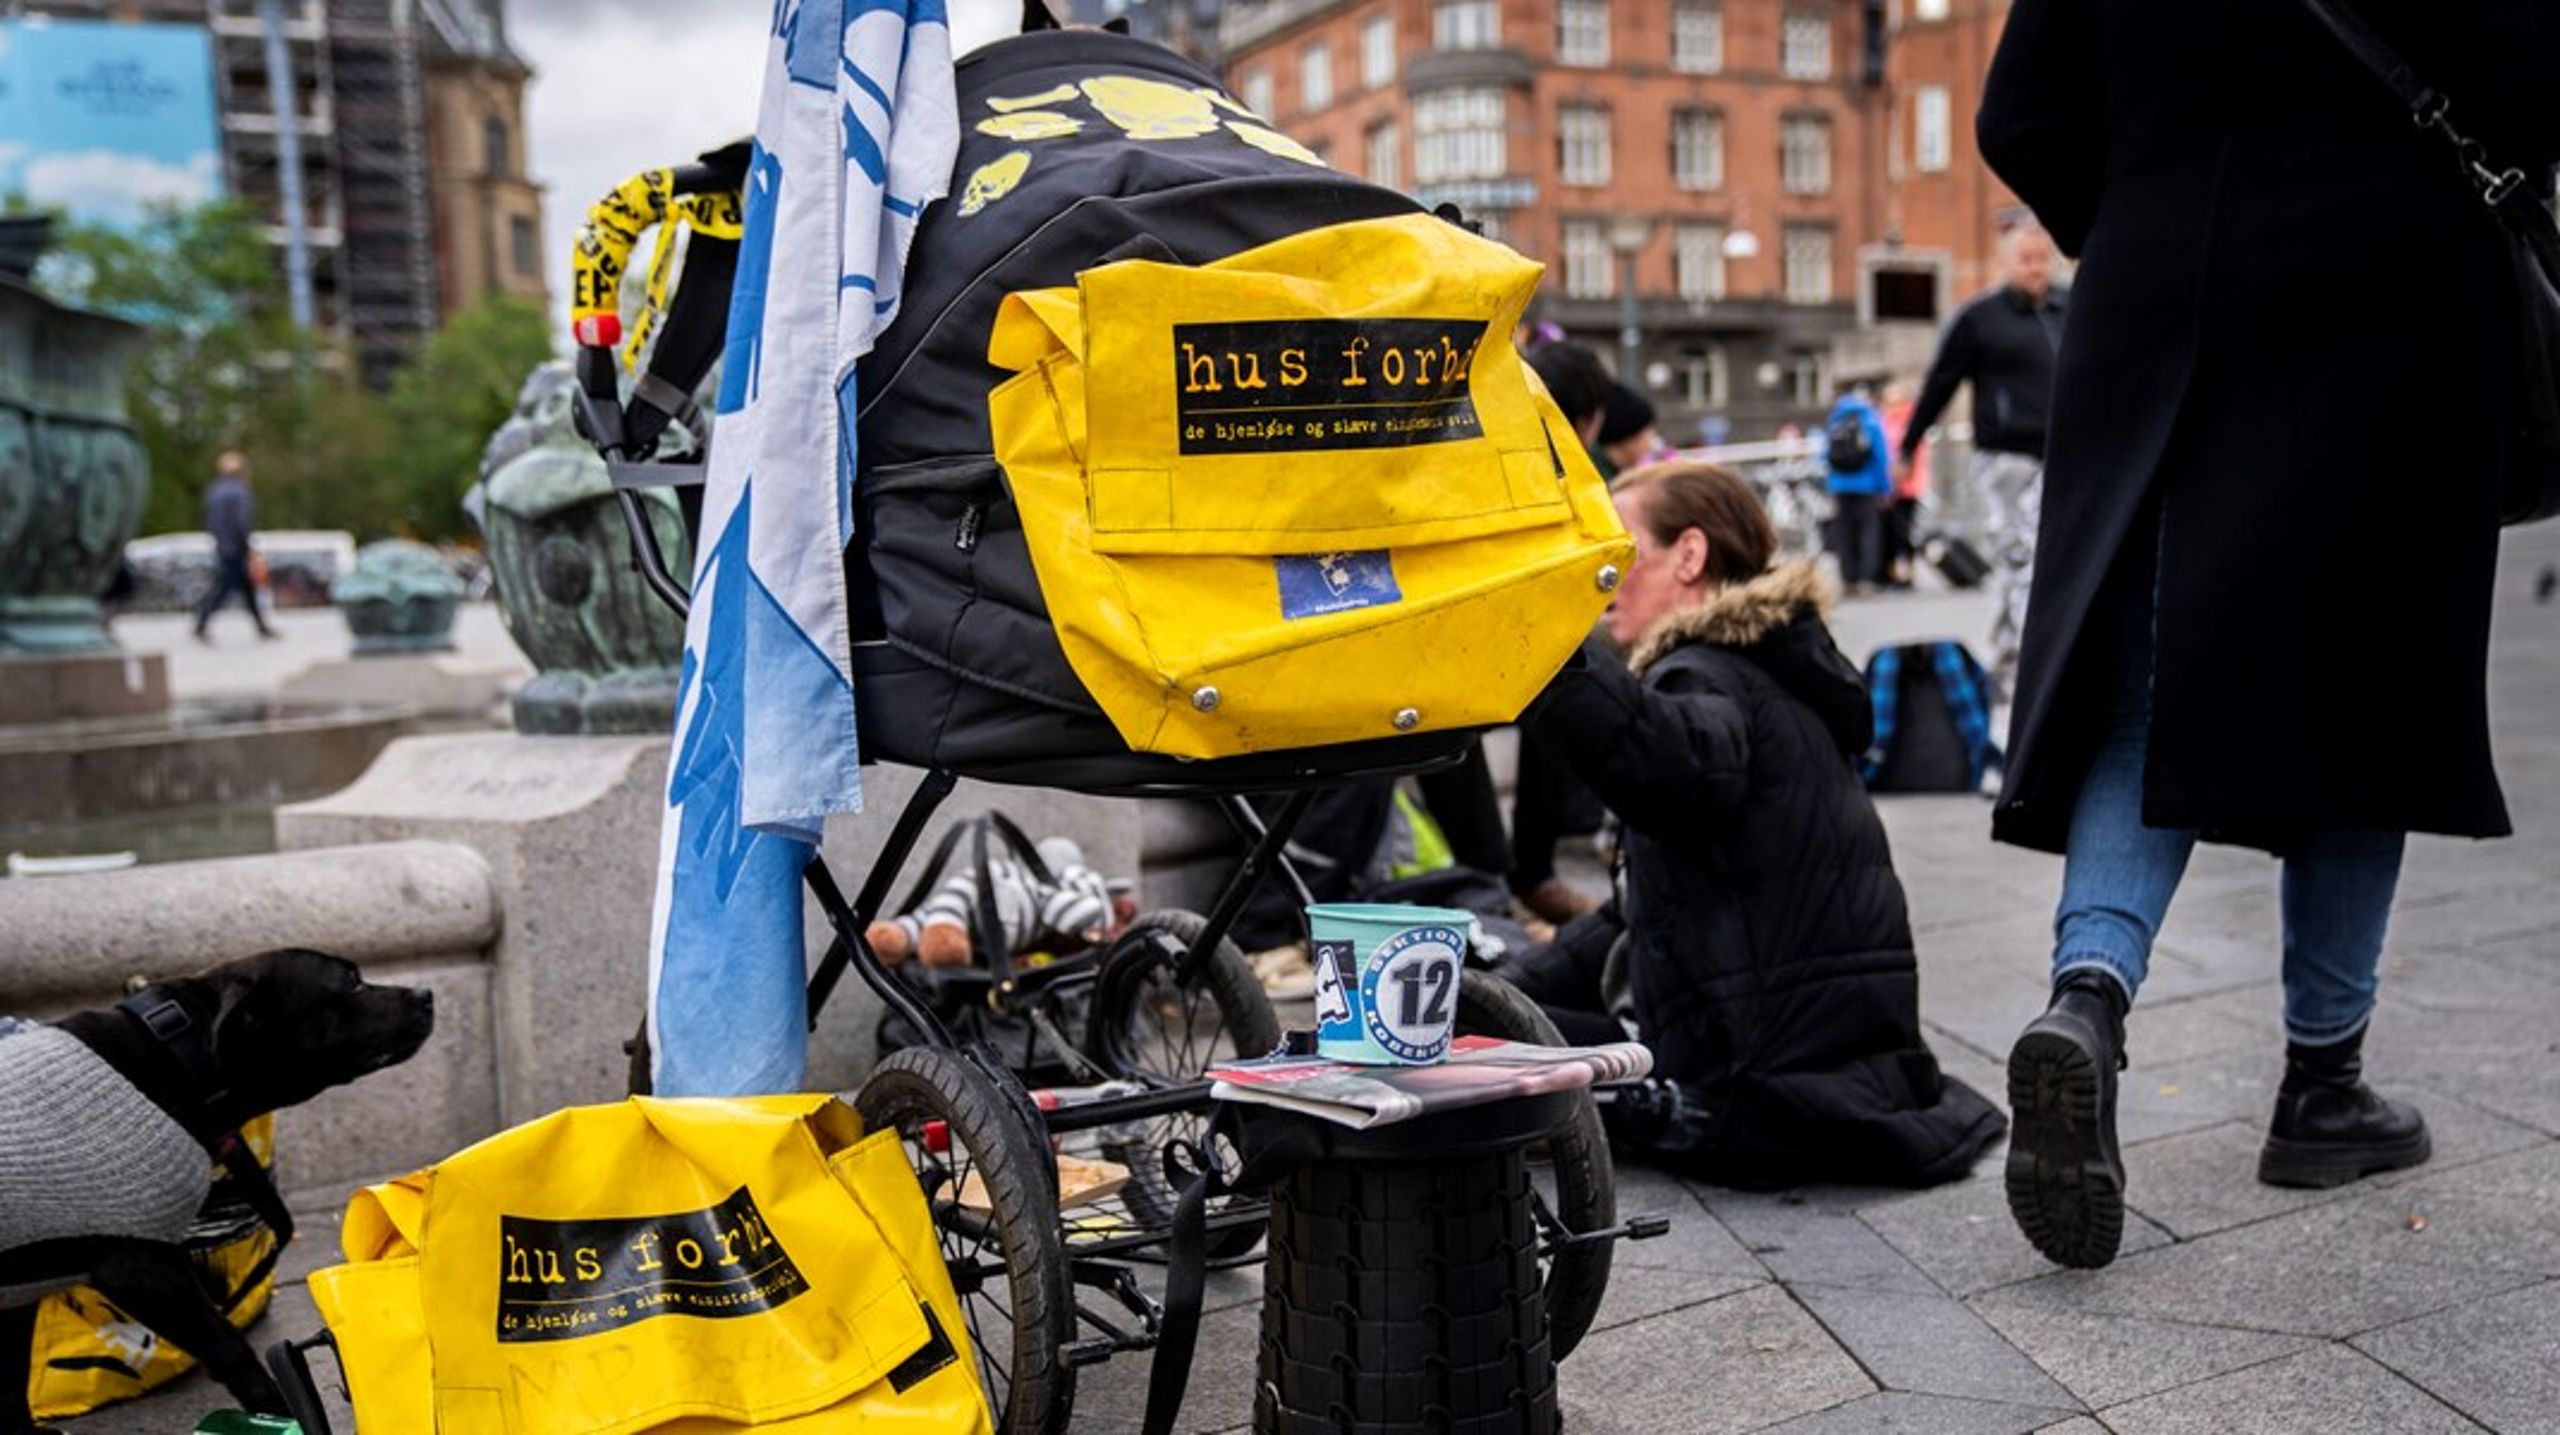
<point x="1876" y="475"/>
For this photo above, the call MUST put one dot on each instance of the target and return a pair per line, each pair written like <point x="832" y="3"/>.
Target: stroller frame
<point x="961" y="1086"/>
<point x="1106" y="1265"/>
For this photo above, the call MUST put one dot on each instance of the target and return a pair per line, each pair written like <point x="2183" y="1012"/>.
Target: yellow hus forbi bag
<point x="1307" y="494"/>
<point x="671" y="1266"/>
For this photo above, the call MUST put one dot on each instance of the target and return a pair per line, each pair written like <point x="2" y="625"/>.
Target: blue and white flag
<point x="856" y="134"/>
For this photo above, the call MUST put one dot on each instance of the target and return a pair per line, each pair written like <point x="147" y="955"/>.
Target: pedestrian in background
<point x="1628" y="438"/>
<point x="2003" y="344"/>
<point x="1910" y="490"/>
<point x="230" y="516"/>
<point x="2261" y="602"/>
<point x="1861" y="487"/>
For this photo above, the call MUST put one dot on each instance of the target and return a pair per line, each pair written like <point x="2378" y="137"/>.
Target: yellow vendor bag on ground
<point x="89" y="1354"/>
<point x="673" y="1266"/>
<point x="1307" y="494"/>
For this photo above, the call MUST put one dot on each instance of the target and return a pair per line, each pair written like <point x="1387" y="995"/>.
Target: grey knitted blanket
<point x="83" y="1152"/>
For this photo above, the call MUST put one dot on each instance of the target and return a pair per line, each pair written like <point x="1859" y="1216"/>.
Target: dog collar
<point x="170" y="1025"/>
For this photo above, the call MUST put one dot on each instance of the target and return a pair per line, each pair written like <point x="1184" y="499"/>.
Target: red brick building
<point x="1751" y="158"/>
<point x="1724" y="146"/>
<point x="1941" y="198"/>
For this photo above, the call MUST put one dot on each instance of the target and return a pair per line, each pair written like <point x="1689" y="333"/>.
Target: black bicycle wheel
<point x="1006" y="1260"/>
<point x="1147" y="1025"/>
<point x="1574" y="1181"/>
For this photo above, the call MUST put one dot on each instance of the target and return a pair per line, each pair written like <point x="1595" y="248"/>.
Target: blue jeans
<point x="2119" y="875"/>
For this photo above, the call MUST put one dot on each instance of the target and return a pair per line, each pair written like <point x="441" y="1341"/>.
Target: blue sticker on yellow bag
<point x="1313" y="584"/>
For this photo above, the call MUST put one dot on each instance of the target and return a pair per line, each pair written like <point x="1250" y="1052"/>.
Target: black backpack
<point x="1933" y="720"/>
<point x="954" y="654"/>
<point x="1848" y="448"/>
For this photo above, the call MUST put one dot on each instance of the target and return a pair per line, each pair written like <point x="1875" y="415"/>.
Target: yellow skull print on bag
<point x="1304" y="495"/>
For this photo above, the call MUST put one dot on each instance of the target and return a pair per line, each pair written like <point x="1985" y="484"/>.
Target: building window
<point x="1804" y="154"/>
<point x="1378" y="51"/>
<point x="1582" y="133"/>
<point x="1697" y="36"/>
<point x="526" y="243"/>
<point x="1702" y="377"/>
<point x="1489" y="224"/>
<point x="1931" y="137"/>
<point x="1804" y="46"/>
<point x="1257" y="92"/>
<point x="1807" y="255"/>
<point x="1808" y="379"/>
<point x="1315" y="78"/>
<point x="1697" y="253"/>
<point x="1928" y="9"/>
<point x="1582" y="32"/>
<point x="1697" y="149"/>
<point x="1386" y="155"/>
<point x="496" y="154"/>
<point x="1460" y="134"/>
<point x="1466" y="24"/>
<point x="1590" y="270"/>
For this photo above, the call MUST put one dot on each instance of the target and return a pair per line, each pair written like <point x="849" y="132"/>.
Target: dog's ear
<point x="1037" y="16"/>
<point x="235" y="1017"/>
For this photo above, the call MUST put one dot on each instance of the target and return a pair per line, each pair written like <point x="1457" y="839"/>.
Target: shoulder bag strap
<point x="2432" y="109"/>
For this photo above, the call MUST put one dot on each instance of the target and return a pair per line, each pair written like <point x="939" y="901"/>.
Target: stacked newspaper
<point x="1480" y="1069"/>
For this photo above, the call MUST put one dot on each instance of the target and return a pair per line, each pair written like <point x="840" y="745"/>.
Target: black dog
<point x="210" y="1052"/>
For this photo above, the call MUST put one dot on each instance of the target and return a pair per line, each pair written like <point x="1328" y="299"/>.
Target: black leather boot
<point x="2330" y="1128"/>
<point x="2065" y="1175"/>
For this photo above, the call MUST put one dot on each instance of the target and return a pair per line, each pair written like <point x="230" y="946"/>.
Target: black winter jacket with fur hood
<point x="1770" y="953"/>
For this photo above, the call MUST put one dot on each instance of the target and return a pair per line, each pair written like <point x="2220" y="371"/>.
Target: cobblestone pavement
<point x="2425" y="1301"/>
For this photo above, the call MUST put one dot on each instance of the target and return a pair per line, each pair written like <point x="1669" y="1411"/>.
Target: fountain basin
<point x="223" y="753"/>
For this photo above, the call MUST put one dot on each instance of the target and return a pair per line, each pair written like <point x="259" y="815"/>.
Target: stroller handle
<point x="628" y="479"/>
<point x="705" y="197"/>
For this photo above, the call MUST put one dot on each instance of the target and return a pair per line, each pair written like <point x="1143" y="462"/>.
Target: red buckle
<point x="598" y="331"/>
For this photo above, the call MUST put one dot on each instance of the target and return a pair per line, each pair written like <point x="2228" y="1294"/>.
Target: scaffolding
<point x="389" y="254"/>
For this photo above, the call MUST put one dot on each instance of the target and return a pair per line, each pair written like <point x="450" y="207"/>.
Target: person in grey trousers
<point x="2003" y="344"/>
<point x="230" y="515"/>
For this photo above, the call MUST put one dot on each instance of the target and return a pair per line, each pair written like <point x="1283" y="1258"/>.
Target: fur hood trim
<point x="1739" y="616"/>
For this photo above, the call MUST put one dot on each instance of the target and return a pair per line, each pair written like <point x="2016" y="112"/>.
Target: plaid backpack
<point x="1933" y="720"/>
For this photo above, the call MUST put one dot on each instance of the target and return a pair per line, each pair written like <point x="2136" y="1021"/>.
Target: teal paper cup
<point x="1386" y="980"/>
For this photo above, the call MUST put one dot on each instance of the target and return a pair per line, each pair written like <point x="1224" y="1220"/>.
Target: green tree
<point x="224" y="368"/>
<point x="451" y="397"/>
<point x="218" y="368"/>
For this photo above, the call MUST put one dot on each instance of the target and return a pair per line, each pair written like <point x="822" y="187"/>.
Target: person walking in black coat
<point x="230" y="516"/>
<point x="2261" y="601"/>
<point x="1767" y="958"/>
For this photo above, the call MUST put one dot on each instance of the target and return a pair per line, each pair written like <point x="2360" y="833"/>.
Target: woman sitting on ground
<point x="1766" y="955"/>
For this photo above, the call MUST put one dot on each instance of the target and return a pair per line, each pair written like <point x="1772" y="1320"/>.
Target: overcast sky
<point x="625" y="85"/>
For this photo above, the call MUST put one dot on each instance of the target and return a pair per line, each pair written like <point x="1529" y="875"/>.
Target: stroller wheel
<point x="1147" y="1024"/>
<point x="982" y="1174"/>
<point x="1572" y="1181"/>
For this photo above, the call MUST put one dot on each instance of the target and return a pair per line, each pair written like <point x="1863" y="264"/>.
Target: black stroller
<point x="961" y="674"/>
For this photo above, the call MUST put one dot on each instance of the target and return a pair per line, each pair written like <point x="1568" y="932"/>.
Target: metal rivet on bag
<point x="1407" y="719"/>
<point x="1205" y="699"/>
<point x="1609" y="578"/>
